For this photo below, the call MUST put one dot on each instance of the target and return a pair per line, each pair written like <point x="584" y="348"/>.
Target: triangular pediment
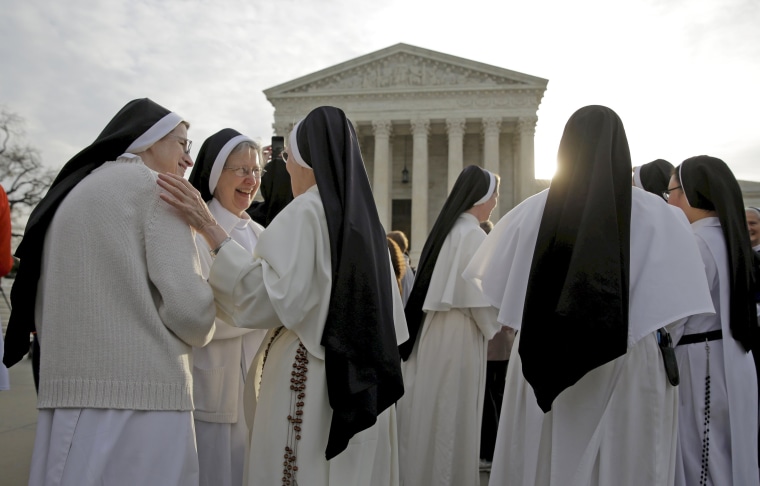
<point x="405" y="68"/>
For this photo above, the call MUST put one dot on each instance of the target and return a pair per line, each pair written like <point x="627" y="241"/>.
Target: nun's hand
<point x="178" y="192"/>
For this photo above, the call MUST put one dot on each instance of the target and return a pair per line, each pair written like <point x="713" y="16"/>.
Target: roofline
<point x="533" y="81"/>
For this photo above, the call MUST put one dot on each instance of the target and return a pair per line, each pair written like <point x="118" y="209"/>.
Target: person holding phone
<point x="275" y="185"/>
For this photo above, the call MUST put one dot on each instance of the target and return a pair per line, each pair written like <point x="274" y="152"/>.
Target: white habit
<point x="288" y="283"/>
<point x="733" y="383"/>
<point x="617" y="424"/>
<point x="219" y="371"/>
<point x="444" y="378"/>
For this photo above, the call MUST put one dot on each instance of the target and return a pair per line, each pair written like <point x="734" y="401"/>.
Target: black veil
<point x="576" y="307"/>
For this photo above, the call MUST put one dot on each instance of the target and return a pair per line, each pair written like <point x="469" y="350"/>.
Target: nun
<point x="653" y="177"/>
<point x="753" y="226"/>
<point x="587" y="271"/>
<point x="227" y="173"/>
<point x="718" y="415"/>
<point x="321" y="280"/>
<point x="109" y="274"/>
<point x="450" y="323"/>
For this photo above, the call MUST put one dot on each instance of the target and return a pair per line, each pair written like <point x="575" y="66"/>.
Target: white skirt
<point x="223" y="447"/>
<point x="83" y="447"/>
<point x="371" y="458"/>
<point x="616" y="425"/>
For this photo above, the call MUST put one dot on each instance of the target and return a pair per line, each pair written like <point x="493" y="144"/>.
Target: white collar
<point x="227" y="219"/>
<point x="708" y="221"/>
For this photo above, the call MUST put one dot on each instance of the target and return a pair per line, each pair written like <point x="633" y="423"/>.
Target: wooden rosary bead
<point x="297" y="386"/>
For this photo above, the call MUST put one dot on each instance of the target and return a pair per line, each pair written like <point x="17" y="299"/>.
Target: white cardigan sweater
<point x="121" y="299"/>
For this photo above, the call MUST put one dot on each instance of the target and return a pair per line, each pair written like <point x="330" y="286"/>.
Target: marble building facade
<point x="421" y="116"/>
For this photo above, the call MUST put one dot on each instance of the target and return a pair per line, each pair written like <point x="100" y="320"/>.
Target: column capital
<point x="491" y="126"/>
<point x="282" y="129"/>
<point x="527" y="125"/>
<point x="382" y="128"/>
<point x="455" y="126"/>
<point x="420" y="126"/>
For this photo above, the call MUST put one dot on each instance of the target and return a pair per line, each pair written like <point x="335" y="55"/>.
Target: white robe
<point x="616" y="425"/>
<point x="77" y="446"/>
<point x="733" y="383"/>
<point x="288" y="284"/>
<point x="219" y="371"/>
<point x="444" y="378"/>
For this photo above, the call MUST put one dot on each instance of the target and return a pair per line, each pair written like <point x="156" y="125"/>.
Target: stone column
<point x="420" y="130"/>
<point x="282" y="129"/>
<point x="526" y="130"/>
<point x="491" y="161"/>
<point x="381" y="180"/>
<point x="455" y="129"/>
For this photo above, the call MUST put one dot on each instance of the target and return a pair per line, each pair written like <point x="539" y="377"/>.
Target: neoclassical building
<point x="421" y="116"/>
<point x="750" y="193"/>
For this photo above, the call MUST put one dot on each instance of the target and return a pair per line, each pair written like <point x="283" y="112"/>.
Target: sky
<point x="684" y="76"/>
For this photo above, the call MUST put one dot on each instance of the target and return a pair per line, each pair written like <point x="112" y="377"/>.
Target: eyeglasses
<point x="185" y="142"/>
<point x="246" y="171"/>
<point x="666" y="193"/>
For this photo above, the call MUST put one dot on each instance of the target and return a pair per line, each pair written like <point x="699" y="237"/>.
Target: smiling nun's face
<point x="236" y="193"/>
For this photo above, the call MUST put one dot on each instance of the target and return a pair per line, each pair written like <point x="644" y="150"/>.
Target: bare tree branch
<point x="22" y="173"/>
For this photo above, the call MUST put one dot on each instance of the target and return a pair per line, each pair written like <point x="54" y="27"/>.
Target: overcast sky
<point x="684" y="76"/>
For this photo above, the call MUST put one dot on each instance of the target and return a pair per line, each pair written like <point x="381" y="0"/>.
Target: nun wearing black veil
<point x="588" y="271"/>
<point x="227" y="173"/>
<point x="109" y="275"/>
<point x="653" y="177"/>
<point x="321" y="280"/>
<point x="718" y="416"/>
<point x="450" y="323"/>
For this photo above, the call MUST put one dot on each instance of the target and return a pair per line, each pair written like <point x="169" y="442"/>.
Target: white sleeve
<point x="288" y="279"/>
<point x="239" y="290"/>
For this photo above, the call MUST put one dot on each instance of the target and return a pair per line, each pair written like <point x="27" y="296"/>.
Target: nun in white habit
<point x="588" y="271"/>
<point x="718" y="429"/>
<point x="329" y="373"/>
<point x="653" y="177"/>
<point x="450" y="323"/>
<point x="227" y="173"/>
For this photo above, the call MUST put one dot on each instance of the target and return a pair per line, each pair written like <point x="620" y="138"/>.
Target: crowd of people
<point x="602" y="332"/>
